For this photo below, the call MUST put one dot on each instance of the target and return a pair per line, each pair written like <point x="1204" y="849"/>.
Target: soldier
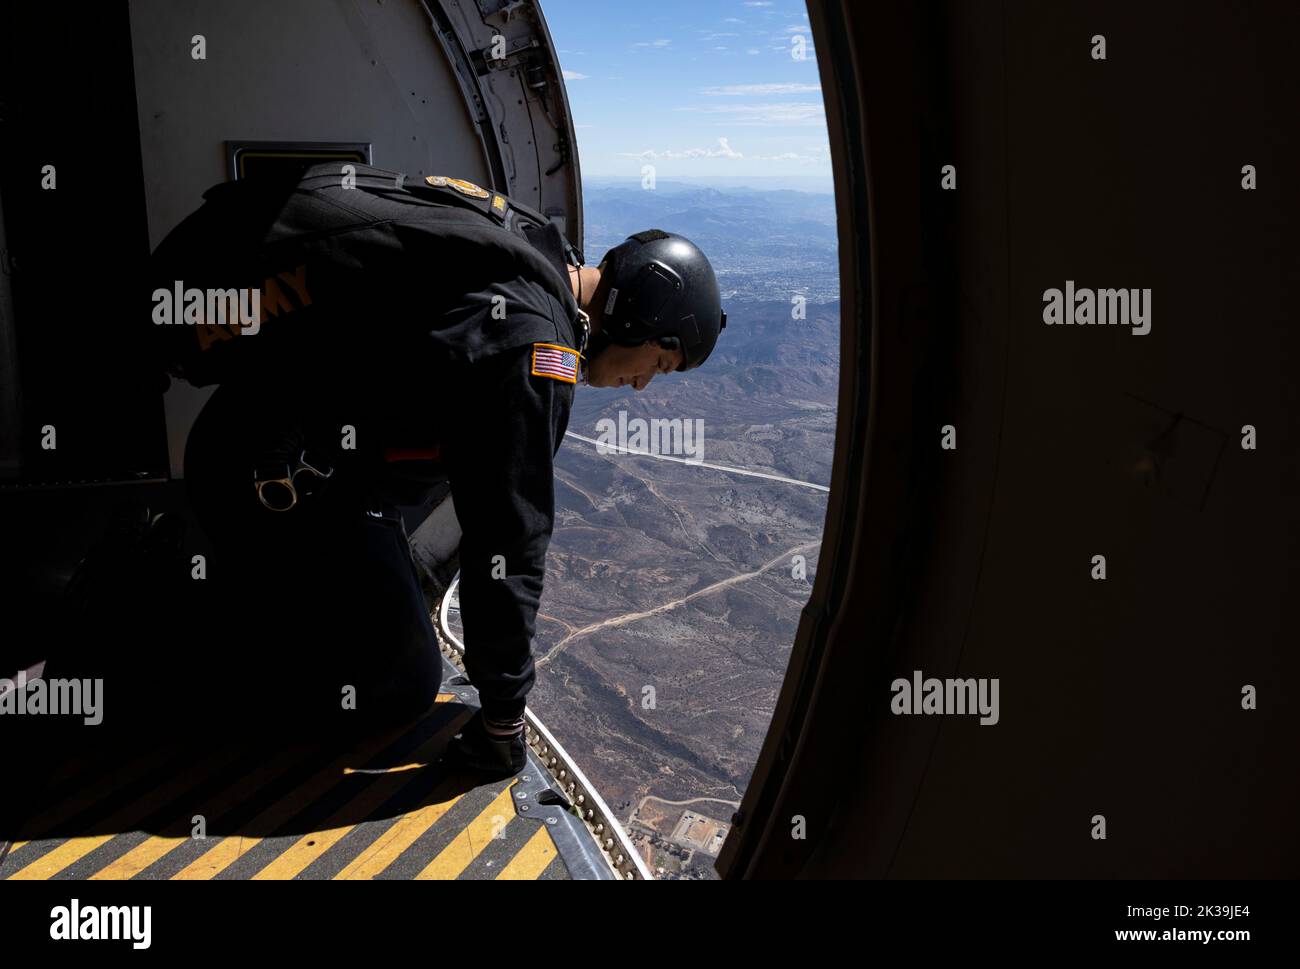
<point x="409" y="332"/>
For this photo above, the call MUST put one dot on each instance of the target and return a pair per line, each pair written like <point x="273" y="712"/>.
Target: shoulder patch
<point x="556" y="362"/>
<point x="460" y="185"/>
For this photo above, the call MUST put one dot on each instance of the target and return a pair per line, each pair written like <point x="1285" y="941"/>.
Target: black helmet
<point x="661" y="287"/>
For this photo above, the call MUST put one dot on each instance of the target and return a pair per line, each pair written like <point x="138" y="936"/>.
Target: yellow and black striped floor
<point x="383" y="809"/>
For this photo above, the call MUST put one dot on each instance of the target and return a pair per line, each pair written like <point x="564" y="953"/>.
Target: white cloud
<point x="574" y="76"/>
<point x="724" y="150"/>
<point x="793" y="156"/>
<point x="789" y="113"/>
<point x="769" y="90"/>
<point x="818" y="154"/>
<point x="815" y="156"/>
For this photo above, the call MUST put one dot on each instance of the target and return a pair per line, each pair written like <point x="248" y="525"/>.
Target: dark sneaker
<point x="476" y="749"/>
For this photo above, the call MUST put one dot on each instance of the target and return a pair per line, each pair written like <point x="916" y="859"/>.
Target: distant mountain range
<point x="764" y="245"/>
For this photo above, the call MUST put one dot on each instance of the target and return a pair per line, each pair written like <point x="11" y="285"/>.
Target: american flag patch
<point x="558" y="363"/>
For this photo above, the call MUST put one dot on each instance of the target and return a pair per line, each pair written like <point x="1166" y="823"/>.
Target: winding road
<point x="707" y="590"/>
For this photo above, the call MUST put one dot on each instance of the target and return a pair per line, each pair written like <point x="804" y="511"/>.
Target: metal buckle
<point x="585" y="335"/>
<point x="306" y="465"/>
<point x="281" y="494"/>
<point x="276" y="493"/>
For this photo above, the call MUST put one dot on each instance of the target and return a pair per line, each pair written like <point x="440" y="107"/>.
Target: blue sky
<point x="700" y="88"/>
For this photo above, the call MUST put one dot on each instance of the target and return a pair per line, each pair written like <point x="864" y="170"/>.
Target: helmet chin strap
<point x="585" y="337"/>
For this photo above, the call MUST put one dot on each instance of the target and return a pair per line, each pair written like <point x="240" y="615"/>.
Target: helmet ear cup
<point x="655" y="291"/>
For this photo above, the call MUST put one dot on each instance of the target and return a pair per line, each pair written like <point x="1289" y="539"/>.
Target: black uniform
<point x="436" y="327"/>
